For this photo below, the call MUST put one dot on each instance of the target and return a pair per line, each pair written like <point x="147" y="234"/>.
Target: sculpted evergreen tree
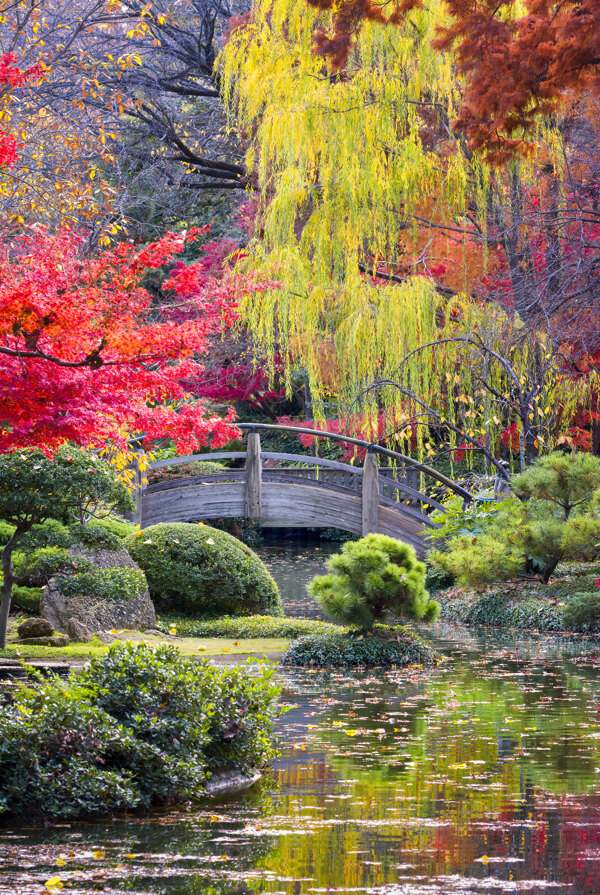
<point x="370" y="578"/>
<point x="35" y="487"/>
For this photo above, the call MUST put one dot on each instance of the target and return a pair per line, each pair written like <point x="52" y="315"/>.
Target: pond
<point x="482" y="776"/>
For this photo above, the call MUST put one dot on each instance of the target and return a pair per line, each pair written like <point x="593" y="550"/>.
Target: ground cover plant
<point x="382" y="646"/>
<point x="242" y="626"/>
<point x="569" y="603"/>
<point x="201" y="571"/>
<point x="135" y="728"/>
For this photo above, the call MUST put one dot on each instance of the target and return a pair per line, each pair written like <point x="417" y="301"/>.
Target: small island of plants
<point x="136" y="728"/>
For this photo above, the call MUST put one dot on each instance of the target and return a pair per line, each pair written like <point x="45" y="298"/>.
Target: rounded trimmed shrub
<point x="201" y="571"/>
<point x="349" y="649"/>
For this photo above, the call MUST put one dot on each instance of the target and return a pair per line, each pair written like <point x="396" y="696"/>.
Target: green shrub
<point x="28" y="599"/>
<point x="371" y="577"/>
<point x="105" y="584"/>
<point x="557" y="519"/>
<point x="385" y="646"/>
<point x="137" y="727"/>
<point x="36" y="568"/>
<point x="460" y="518"/>
<point x="6" y="532"/>
<point x="250" y="626"/>
<point x="582" y="612"/>
<point x="198" y="570"/>
<point x="119" y="529"/>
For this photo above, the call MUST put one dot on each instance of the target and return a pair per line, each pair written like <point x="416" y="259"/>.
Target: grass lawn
<point x="188" y="646"/>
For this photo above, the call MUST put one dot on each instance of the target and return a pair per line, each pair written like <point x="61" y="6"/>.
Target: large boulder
<point x="113" y="595"/>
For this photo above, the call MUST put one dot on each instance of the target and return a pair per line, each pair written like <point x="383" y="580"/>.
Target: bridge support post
<point x="253" y="477"/>
<point x="370" y="494"/>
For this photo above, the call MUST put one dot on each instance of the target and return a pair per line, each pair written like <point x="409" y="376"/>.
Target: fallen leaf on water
<point x="55" y="882"/>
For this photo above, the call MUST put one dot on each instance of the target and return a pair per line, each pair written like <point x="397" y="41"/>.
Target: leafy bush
<point x="582" y="612"/>
<point x="385" y="646"/>
<point x="105" y="584"/>
<point x="137" y="727"/>
<point x="36" y="568"/>
<point x="460" y="518"/>
<point x="6" y="532"/>
<point x="558" y="519"/>
<point x="27" y="599"/>
<point x="250" y="626"/>
<point x="370" y="577"/>
<point x="199" y="570"/>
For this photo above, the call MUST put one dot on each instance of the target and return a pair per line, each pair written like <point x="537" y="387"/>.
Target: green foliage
<point x="251" y="626"/>
<point x="385" y="646"/>
<point x="558" y="519"/>
<point x="112" y="526"/>
<point x="34" y="487"/>
<point x="137" y="727"/>
<point x="498" y="609"/>
<point x="582" y="612"/>
<point x="477" y="562"/>
<point x="460" y="518"/>
<point x="6" y="532"/>
<point x="28" y="599"/>
<point x="370" y="577"/>
<point x="201" y="571"/>
<point x="105" y="584"/>
<point x="38" y="567"/>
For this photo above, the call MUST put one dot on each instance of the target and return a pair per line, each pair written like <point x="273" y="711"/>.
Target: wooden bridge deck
<point x="313" y="493"/>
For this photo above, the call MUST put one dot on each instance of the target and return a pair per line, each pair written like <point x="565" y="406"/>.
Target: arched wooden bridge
<point x="297" y="491"/>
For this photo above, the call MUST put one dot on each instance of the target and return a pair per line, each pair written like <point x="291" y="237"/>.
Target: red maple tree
<point x="87" y="354"/>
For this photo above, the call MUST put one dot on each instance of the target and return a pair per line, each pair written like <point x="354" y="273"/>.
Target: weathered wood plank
<point x="253" y="477"/>
<point x="370" y="495"/>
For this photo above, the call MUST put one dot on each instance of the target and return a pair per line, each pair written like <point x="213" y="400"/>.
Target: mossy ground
<point x="188" y="646"/>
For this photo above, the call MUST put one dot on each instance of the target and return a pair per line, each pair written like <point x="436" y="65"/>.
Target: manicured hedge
<point x="252" y="626"/>
<point x="136" y="728"/>
<point x="386" y="646"/>
<point x="201" y="571"/>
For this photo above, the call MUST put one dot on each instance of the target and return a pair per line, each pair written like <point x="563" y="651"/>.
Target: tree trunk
<point x="7" y="585"/>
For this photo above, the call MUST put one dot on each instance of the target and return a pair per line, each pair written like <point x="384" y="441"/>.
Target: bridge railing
<point x="399" y="484"/>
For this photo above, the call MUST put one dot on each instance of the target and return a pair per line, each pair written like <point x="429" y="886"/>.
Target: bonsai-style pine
<point x="371" y="577"/>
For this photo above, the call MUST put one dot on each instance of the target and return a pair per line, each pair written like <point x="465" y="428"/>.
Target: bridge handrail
<point x="268" y="455"/>
<point x="334" y="436"/>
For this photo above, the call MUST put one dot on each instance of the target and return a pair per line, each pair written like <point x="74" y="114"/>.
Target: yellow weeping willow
<point x="348" y="167"/>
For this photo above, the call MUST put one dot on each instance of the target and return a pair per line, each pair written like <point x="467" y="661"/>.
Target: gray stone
<point x="226" y="784"/>
<point x="95" y="613"/>
<point x="35" y="627"/>
<point x="56" y="640"/>
<point x="78" y="632"/>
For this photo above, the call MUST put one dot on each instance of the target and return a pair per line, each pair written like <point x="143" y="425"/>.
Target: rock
<point x="35" y="627"/>
<point x="78" y="632"/>
<point x="95" y="613"/>
<point x="226" y="784"/>
<point x="56" y="640"/>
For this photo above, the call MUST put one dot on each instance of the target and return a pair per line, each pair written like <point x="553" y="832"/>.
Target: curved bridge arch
<point x="313" y="492"/>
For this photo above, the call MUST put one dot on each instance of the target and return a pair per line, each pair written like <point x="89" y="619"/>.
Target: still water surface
<point x="482" y="776"/>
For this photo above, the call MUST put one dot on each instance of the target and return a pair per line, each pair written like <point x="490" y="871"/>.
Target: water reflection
<point x="479" y="777"/>
<point x="293" y="563"/>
